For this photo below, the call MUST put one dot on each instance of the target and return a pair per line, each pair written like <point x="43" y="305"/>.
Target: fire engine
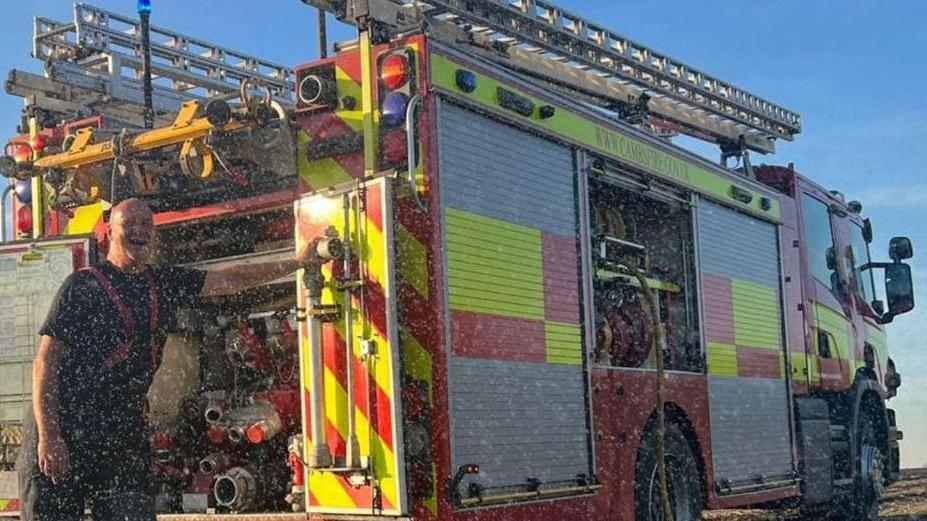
<point x="526" y="303"/>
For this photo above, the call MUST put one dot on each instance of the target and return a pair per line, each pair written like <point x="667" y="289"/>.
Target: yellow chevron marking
<point x="417" y="362"/>
<point x="328" y="491"/>
<point x="320" y="173"/>
<point x="412" y="260"/>
<point x="349" y="87"/>
<point x="368" y="440"/>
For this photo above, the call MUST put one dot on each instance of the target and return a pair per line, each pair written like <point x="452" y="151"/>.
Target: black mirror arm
<point x="887" y="318"/>
<point x="877" y="265"/>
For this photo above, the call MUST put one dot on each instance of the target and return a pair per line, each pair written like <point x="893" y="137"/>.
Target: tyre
<point x="682" y="476"/>
<point x="870" y="461"/>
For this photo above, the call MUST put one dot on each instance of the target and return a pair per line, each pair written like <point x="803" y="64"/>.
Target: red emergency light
<point x="24" y="219"/>
<point x="394" y="147"/>
<point x="394" y="71"/>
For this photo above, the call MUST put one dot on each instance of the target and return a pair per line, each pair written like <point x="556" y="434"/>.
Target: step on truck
<point x="526" y="302"/>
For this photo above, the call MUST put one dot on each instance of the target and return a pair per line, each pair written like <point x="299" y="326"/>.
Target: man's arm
<point x="231" y="280"/>
<point x="54" y="459"/>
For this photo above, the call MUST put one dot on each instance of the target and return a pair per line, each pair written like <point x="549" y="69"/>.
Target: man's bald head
<point x="131" y="207"/>
<point x="131" y="233"/>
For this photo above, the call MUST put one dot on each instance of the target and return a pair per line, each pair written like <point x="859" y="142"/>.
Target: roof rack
<point x="553" y="42"/>
<point x="95" y="61"/>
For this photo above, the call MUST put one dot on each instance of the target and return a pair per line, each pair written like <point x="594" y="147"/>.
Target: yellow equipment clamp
<point x="188" y="130"/>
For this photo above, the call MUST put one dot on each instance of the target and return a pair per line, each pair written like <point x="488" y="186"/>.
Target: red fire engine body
<point x="507" y="275"/>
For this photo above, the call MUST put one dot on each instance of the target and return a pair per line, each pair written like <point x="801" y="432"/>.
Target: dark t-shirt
<point x="103" y="407"/>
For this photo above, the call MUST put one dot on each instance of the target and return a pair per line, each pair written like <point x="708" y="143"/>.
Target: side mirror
<point x="867" y="230"/>
<point x="899" y="288"/>
<point x="899" y="249"/>
<point x="831" y="257"/>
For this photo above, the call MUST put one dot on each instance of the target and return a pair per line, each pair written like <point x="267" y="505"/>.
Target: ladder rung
<point x="195" y="67"/>
<point x="540" y="24"/>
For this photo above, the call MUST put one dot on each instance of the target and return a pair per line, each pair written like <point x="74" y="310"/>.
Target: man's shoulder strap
<point x="114" y="296"/>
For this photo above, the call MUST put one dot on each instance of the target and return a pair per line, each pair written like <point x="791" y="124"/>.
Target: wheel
<point x="682" y="476"/>
<point x="871" y="461"/>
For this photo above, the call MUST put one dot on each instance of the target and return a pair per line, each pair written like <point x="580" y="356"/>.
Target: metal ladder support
<point x="703" y="104"/>
<point x="95" y="62"/>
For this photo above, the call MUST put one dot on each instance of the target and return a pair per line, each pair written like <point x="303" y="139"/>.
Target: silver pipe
<point x="321" y="455"/>
<point x="410" y="148"/>
<point x="6" y="192"/>
<point x="352" y="448"/>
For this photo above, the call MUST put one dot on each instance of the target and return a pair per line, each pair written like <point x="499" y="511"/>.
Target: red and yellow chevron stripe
<point x="374" y="385"/>
<point x="419" y="324"/>
<point x="9" y="505"/>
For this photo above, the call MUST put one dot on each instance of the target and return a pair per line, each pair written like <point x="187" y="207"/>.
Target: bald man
<point x="100" y="347"/>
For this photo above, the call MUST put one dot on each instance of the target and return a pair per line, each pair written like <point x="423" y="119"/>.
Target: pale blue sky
<point x="854" y="69"/>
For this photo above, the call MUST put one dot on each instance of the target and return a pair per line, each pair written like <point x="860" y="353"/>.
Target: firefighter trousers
<point x="114" y="488"/>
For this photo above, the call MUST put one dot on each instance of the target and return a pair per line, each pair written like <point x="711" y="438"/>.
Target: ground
<point x="903" y="501"/>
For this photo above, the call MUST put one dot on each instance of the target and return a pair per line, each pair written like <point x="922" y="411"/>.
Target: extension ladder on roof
<point x="612" y="64"/>
<point x="95" y="61"/>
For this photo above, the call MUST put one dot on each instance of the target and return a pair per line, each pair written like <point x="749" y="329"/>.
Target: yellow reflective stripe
<point x="756" y="315"/>
<point x="494" y="266"/>
<point x="327" y="489"/>
<point x="799" y="364"/>
<point x="564" y="343"/>
<point x="432" y="502"/>
<point x="573" y="126"/>
<point x="348" y="87"/>
<point x="319" y="173"/>
<point x="836" y="325"/>
<point x="384" y="460"/>
<point x="336" y="410"/>
<point x="412" y="260"/>
<point x="417" y="361"/>
<point x="875" y="336"/>
<point x="722" y="359"/>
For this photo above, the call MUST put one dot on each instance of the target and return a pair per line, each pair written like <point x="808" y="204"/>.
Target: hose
<point x="661" y="391"/>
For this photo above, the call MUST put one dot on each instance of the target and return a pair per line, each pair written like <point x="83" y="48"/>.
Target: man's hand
<point x="305" y="253"/>
<point x="54" y="457"/>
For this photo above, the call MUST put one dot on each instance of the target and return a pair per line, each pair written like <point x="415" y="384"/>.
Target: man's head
<point x="131" y="234"/>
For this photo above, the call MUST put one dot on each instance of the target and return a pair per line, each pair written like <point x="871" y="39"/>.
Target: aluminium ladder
<point x="573" y="52"/>
<point x="95" y="63"/>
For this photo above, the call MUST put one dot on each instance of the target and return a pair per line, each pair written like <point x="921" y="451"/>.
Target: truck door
<point x="748" y="390"/>
<point x="349" y="352"/>
<point x="827" y="302"/>
<point x="870" y="351"/>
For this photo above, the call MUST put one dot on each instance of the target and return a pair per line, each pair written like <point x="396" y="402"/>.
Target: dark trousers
<point x="113" y="481"/>
<point x="114" y="487"/>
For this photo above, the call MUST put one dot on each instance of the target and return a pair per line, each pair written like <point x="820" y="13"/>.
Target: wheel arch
<point x="677" y="415"/>
<point x="867" y="391"/>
